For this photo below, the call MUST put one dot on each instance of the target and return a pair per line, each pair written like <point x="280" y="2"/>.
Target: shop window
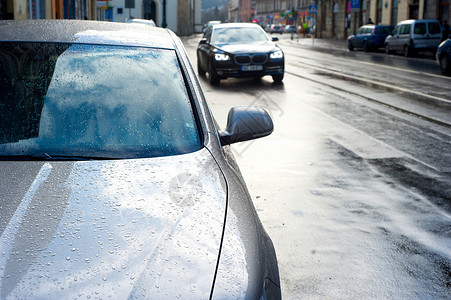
<point x="379" y="12"/>
<point x="394" y="12"/>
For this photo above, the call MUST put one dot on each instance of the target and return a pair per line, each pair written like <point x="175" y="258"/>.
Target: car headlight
<point x="221" y="57"/>
<point x="276" y="54"/>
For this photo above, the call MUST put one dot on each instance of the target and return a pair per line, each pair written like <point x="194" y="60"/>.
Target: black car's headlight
<point x="276" y="54"/>
<point x="221" y="57"/>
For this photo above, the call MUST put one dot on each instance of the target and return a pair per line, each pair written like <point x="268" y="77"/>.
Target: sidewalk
<point x="313" y="42"/>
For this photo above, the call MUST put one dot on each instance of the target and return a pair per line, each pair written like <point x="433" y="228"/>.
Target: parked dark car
<point x="239" y="50"/>
<point x="275" y="28"/>
<point x="289" y="29"/>
<point x="443" y="56"/>
<point x="114" y="181"/>
<point x="369" y="37"/>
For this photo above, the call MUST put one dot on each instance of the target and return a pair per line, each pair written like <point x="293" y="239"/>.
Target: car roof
<point x="417" y="21"/>
<point x="235" y="25"/>
<point x="142" y="21"/>
<point x="86" y="32"/>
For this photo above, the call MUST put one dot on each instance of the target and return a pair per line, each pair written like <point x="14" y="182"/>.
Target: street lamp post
<point x="164" y="24"/>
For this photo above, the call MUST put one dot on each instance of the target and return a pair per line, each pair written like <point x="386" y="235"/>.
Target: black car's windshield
<point x="93" y="101"/>
<point x="238" y="35"/>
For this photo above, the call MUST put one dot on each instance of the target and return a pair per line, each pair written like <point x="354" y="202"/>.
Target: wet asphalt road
<point x="355" y="193"/>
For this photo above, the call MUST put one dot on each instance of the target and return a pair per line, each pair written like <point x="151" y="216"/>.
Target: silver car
<point x="413" y="36"/>
<point x="114" y="179"/>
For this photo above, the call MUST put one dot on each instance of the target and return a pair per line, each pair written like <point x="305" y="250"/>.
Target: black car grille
<point x="246" y="59"/>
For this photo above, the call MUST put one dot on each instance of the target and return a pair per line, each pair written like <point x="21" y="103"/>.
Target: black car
<point x="369" y="37"/>
<point x="443" y="56"/>
<point x="239" y="50"/>
<point x="114" y="181"/>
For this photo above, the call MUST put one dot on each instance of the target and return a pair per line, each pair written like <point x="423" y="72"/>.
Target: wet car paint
<point x="91" y="225"/>
<point x="139" y="228"/>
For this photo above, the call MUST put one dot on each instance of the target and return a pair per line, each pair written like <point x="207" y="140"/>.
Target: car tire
<point x="366" y="48"/>
<point x="277" y="78"/>
<point x="445" y="64"/>
<point x="213" y="76"/>
<point x="350" y="46"/>
<point x="407" y="51"/>
<point x="387" y="49"/>
<point x="200" y="71"/>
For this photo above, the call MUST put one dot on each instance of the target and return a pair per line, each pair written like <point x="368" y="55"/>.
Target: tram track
<point x="443" y="106"/>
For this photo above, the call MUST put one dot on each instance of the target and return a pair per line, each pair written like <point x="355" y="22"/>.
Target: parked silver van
<point x="413" y="36"/>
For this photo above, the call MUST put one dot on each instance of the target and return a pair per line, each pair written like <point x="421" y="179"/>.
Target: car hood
<point x="137" y="228"/>
<point x="247" y="48"/>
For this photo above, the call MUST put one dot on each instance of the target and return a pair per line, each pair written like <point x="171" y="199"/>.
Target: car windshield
<point x="89" y="101"/>
<point x="238" y="35"/>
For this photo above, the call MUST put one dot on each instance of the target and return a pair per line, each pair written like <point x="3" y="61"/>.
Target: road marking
<point x="379" y="65"/>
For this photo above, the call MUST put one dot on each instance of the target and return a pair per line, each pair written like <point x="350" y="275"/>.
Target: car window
<point x="396" y="30"/>
<point x="434" y="28"/>
<point x="405" y="29"/>
<point x="93" y="101"/>
<point x="208" y="34"/>
<point x="420" y="28"/>
<point x="238" y="35"/>
<point x="383" y="30"/>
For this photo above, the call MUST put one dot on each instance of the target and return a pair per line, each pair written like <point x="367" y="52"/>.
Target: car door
<point x="394" y="38"/>
<point x="435" y="34"/>
<point x="403" y="37"/>
<point x="358" y="37"/>
<point x="203" y="50"/>
<point x="420" y="35"/>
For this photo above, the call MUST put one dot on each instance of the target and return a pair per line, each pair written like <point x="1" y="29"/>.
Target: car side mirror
<point x="203" y="41"/>
<point x="246" y="123"/>
<point x="275" y="39"/>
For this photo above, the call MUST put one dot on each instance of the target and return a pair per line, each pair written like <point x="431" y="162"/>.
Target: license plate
<point x="252" y="68"/>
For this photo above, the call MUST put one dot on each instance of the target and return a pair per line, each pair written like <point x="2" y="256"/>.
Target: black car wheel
<point x="445" y="64"/>
<point x="350" y="46"/>
<point x="213" y="76"/>
<point x="387" y="48"/>
<point x="200" y="71"/>
<point x="277" y="78"/>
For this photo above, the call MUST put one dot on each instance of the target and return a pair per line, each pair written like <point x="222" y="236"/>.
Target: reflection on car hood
<point x="247" y="48"/>
<point x="123" y="229"/>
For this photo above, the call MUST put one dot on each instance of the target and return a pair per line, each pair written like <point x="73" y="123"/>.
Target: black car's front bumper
<point x="226" y="69"/>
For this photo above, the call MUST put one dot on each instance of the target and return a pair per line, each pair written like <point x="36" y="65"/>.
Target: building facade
<point x="246" y="10"/>
<point x="47" y="9"/>
<point x="340" y="18"/>
<point x="181" y="16"/>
